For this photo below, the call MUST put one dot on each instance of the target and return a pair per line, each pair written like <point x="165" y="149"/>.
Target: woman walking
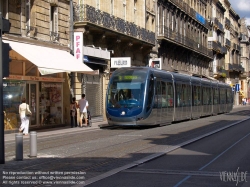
<point x="24" y="118"/>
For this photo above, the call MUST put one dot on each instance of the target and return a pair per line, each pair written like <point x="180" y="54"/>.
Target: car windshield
<point x="126" y="89"/>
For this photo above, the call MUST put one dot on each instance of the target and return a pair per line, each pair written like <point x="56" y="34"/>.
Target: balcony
<point x="190" y="11"/>
<point x="237" y="47"/>
<point x="233" y="46"/>
<point x="170" y="35"/>
<point x="88" y="15"/>
<point x="216" y="21"/>
<point x="220" y="72"/>
<point x="223" y="50"/>
<point x="220" y="26"/>
<point x="213" y="45"/>
<point x="228" y="43"/>
<point x="244" y="75"/>
<point x="227" y="23"/>
<point x="234" y="67"/>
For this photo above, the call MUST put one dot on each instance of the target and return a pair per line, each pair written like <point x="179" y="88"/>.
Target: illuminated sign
<point x="155" y="63"/>
<point x="129" y="77"/>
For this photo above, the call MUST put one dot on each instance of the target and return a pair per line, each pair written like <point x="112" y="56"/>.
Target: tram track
<point x="112" y="149"/>
<point x="157" y="155"/>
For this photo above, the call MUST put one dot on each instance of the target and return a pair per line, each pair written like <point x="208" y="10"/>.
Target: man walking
<point x="83" y="105"/>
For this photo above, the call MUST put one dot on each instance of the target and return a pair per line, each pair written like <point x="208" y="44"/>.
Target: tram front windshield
<point x="126" y="89"/>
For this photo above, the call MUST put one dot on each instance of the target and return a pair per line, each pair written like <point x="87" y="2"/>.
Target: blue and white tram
<point x="141" y="96"/>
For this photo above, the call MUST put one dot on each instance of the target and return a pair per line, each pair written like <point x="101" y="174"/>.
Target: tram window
<point x="179" y="95"/>
<point x="195" y="96"/>
<point x="170" y="94"/>
<point x="158" y="95"/>
<point x="164" y="95"/>
<point x="188" y="95"/>
<point x="215" y="96"/>
<point x="150" y="93"/>
<point x="199" y="95"/>
<point x="185" y="95"/>
<point x="209" y="96"/>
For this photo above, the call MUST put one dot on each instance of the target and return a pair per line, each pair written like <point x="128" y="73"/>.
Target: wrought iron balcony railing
<point x="86" y="13"/>
<point x="164" y="31"/>
<point x="188" y="10"/>
<point x="213" y="45"/>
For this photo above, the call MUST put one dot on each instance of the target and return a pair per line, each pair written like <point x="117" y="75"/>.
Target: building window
<point x="27" y="14"/>
<point x="4" y="8"/>
<point x="112" y="7"/>
<point x="54" y="23"/>
<point x="135" y="17"/>
<point x="124" y="10"/>
<point x="97" y="4"/>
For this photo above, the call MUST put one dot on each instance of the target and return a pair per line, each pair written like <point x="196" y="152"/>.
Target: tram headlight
<point x="138" y="119"/>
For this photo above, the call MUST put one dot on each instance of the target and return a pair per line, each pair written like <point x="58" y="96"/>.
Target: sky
<point x="242" y="8"/>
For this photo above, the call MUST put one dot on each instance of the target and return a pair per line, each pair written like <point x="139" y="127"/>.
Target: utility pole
<point x="2" y="149"/>
<point x="4" y="62"/>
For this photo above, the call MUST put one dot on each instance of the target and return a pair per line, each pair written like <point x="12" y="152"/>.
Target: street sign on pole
<point x="237" y="87"/>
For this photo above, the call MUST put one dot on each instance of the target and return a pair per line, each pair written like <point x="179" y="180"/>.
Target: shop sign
<point x="78" y="46"/>
<point x="120" y="62"/>
<point x="33" y="78"/>
<point x="155" y="63"/>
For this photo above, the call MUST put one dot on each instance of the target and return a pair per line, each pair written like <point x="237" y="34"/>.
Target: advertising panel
<point x="78" y="46"/>
<point x="155" y="63"/>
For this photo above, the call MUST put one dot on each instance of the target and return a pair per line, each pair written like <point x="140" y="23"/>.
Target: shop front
<point x="38" y="74"/>
<point x="44" y="98"/>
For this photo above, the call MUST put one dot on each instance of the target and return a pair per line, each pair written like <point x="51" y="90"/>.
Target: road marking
<point x="128" y="135"/>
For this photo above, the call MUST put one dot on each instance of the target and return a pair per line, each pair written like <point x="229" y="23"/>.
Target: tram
<point x="143" y="96"/>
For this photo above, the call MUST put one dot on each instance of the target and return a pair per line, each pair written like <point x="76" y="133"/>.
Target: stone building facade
<point x="124" y="28"/>
<point x="39" y="28"/>
<point x="182" y="33"/>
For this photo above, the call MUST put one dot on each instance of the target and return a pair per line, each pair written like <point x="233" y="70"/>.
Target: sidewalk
<point x="45" y="131"/>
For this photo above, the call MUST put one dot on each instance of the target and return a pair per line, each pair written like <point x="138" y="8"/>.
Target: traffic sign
<point x="237" y="87"/>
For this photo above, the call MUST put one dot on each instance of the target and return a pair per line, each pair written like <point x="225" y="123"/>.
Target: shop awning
<point x="49" y="60"/>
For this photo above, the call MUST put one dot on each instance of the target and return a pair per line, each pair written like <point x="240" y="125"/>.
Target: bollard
<point x="33" y="144"/>
<point x="19" y="146"/>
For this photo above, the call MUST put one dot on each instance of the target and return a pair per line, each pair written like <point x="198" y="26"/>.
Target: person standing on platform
<point x="24" y="128"/>
<point x="83" y="105"/>
<point x="73" y="112"/>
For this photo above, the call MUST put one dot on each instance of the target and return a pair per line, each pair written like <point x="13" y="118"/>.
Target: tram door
<point x="31" y="100"/>
<point x="158" y="95"/>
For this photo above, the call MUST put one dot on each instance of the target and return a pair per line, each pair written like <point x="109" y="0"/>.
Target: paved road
<point x="101" y="152"/>
<point x="206" y="162"/>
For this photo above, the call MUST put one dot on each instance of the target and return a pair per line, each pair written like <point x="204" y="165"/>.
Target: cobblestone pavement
<point x="94" y="151"/>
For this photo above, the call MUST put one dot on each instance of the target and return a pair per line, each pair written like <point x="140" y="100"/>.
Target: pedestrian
<point x="83" y="105"/>
<point x="25" y="119"/>
<point x="73" y="112"/>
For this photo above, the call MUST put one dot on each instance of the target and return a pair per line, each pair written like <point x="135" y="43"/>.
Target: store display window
<point x="12" y="94"/>
<point x="50" y="109"/>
